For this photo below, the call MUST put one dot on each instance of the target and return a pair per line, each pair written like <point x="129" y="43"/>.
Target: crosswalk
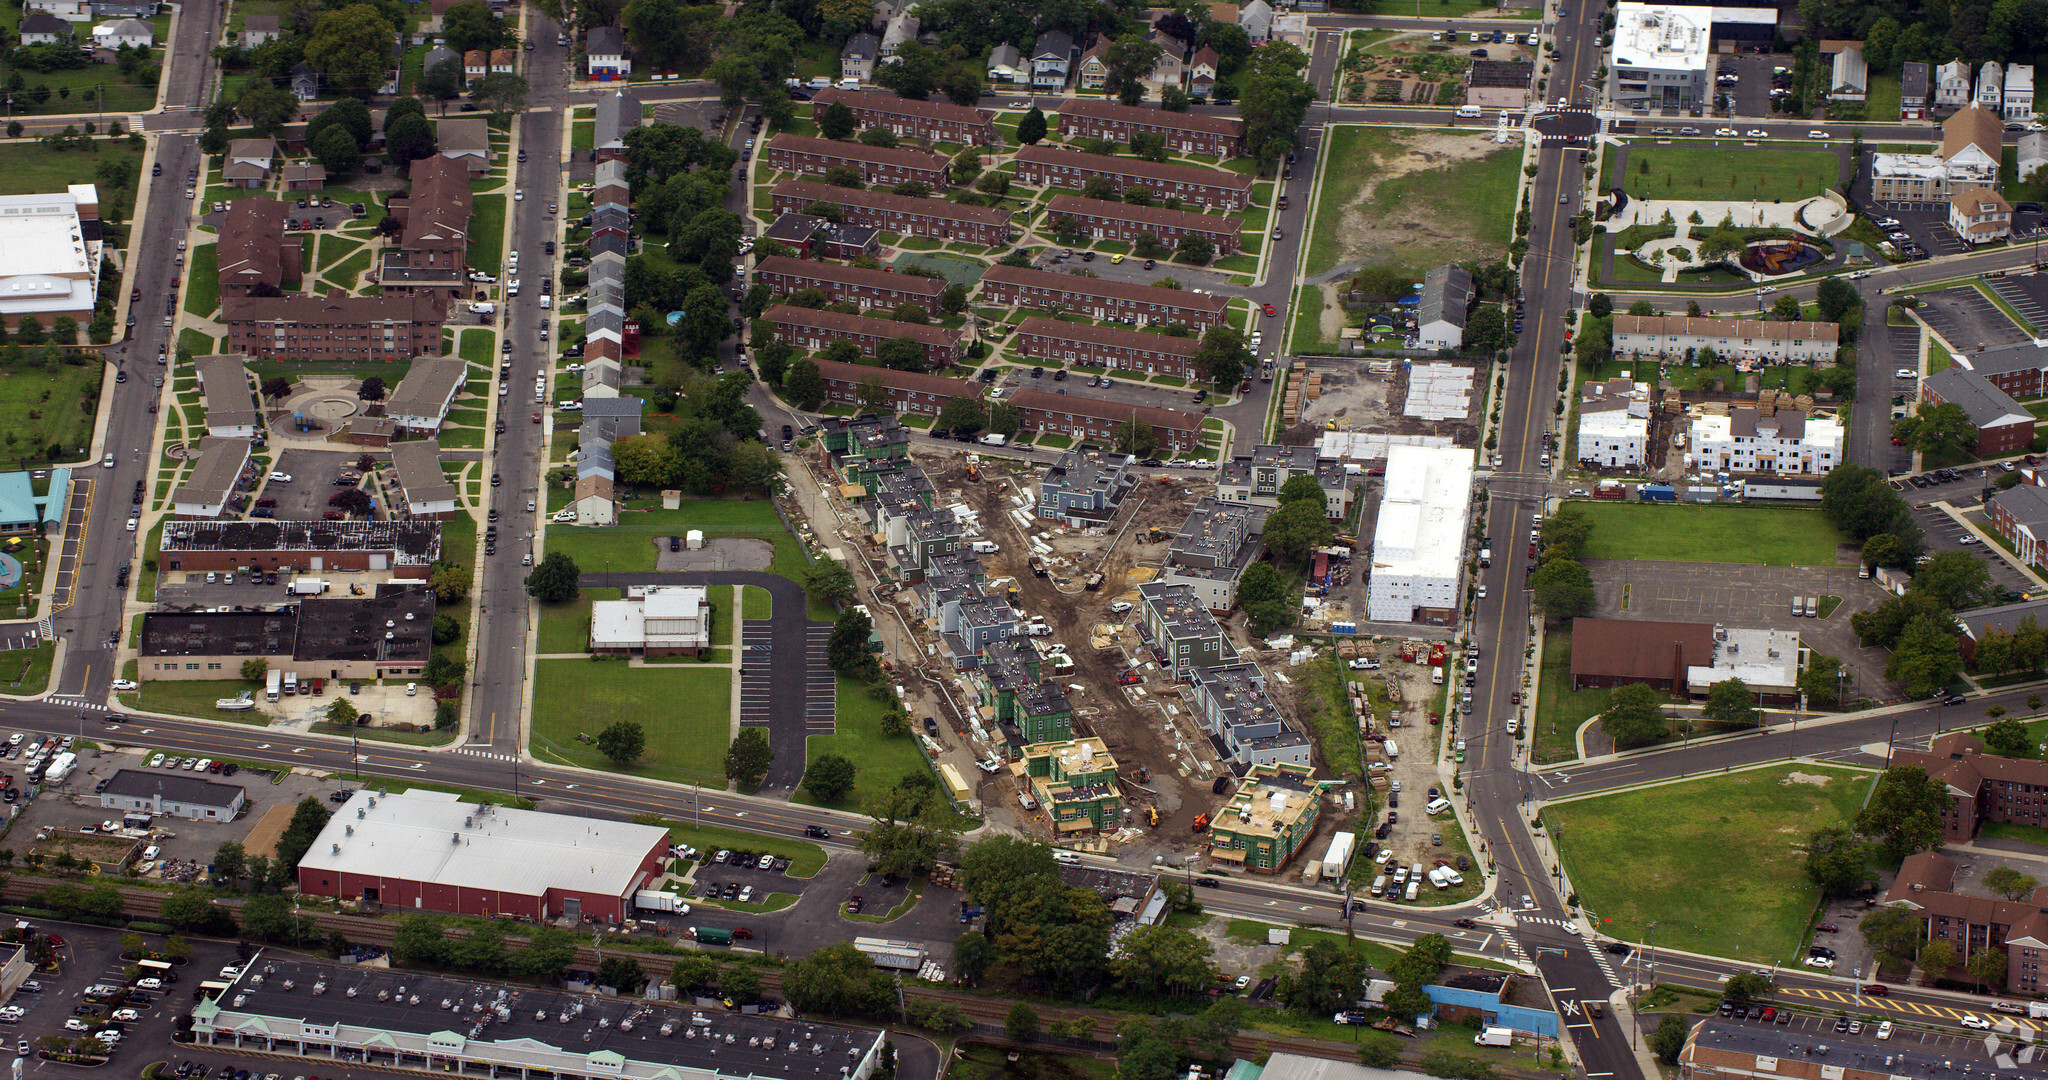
<point x="1867" y="1003"/>
<point x="488" y="755"/>
<point x="73" y="701"/>
<point x="1600" y="960"/>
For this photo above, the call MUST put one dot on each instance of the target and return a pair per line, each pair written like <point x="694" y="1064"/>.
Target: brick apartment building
<point x="2019" y="370"/>
<point x="1092" y="418"/>
<point x="2020" y="515"/>
<point x="2004" y="426"/>
<point x="1211" y="189"/>
<point x="1185" y="133"/>
<point x="936" y="121"/>
<point x="1982" y="786"/>
<point x="336" y="327"/>
<point x="1104" y="220"/>
<point x="1118" y="301"/>
<point x="909" y="215"/>
<point x="868" y="288"/>
<point x="432" y="253"/>
<point x="877" y="164"/>
<point x="811" y="330"/>
<point x="909" y="391"/>
<point x="255" y="255"/>
<point x="1064" y="343"/>
<point x="1971" y="923"/>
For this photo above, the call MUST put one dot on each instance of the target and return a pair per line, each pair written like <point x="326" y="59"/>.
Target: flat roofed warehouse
<point x="431" y="851"/>
<point x="384" y="1019"/>
<point x="406" y="548"/>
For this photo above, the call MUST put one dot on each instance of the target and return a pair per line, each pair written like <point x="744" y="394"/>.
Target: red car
<point x="1515" y="698"/>
<point x="536" y="418"/>
<point x="1129" y="678"/>
<point x="1246" y="388"/>
<point x="1876" y="989"/>
<point x="334" y="515"/>
<point x="1270" y="312"/>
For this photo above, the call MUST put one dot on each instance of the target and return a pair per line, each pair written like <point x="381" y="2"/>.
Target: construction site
<point x="1423" y="403"/>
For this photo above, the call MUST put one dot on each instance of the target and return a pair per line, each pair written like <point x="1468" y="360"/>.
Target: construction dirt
<point x="1417" y="230"/>
<point x="1177" y="763"/>
<point x="1355" y="398"/>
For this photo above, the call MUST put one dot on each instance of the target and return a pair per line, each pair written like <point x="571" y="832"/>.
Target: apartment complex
<point x="876" y="164"/>
<point x="937" y="121"/>
<point x="908" y="391"/>
<point x="1085" y="488"/>
<point x="1614" y="424"/>
<point x="1063" y="343"/>
<point x="255" y="257"/>
<point x="1749" y="440"/>
<point x="811" y="329"/>
<point x="1257" y="478"/>
<point x="1184" y="132"/>
<point x="1214" y="546"/>
<point x="850" y="284"/>
<point x="1244" y="722"/>
<point x="2020" y="515"/>
<point x="432" y="252"/>
<point x="1095" y="298"/>
<point x="337" y="327"/>
<point x="935" y="219"/>
<point x="2020" y="370"/>
<point x="1211" y="189"/>
<point x="1076" y="782"/>
<point x="1419" y="541"/>
<point x="1083" y="418"/>
<point x="1674" y="337"/>
<point x="1660" y="56"/>
<point x="1101" y="219"/>
<point x="1972" y="141"/>
<point x="1271" y="816"/>
<point x="2004" y="426"/>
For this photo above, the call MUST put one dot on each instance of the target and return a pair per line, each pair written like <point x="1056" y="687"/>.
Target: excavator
<point x="1201" y="822"/>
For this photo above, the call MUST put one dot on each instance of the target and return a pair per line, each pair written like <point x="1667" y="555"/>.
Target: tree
<point x="1835" y="859"/>
<point x="847" y="649"/>
<point x="914" y="73"/>
<point x="1021" y="1025"/>
<point x="1223" y="356"/>
<point x="1634" y="715"/>
<point x="554" y="580"/>
<point x="1786" y="308"/>
<point x="1987" y="965"/>
<point x="1265" y="598"/>
<point x="443" y="81"/>
<point x="342" y="714"/>
<point x="420" y="941"/>
<point x="229" y="860"/>
<point x="1031" y="129"/>
<point x="1600" y="306"/>
<point x="878" y="136"/>
<point x="804" y="384"/>
<point x="1378" y="1051"/>
<point x="1821" y="682"/>
<point x="470" y="25"/>
<point x="1927" y="657"/>
<point x="1732" y="703"/>
<point x="1486" y="330"/>
<point x="623" y="741"/>
<point x="2008" y="738"/>
<point x="1746" y="987"/>
<point x="1956" y="579"/>
<point x="256" y="670"/>
<point x="837" y="122"/>
<point x="1295" y="530"/>
<point x="741" y="984"/>
<point x="911" y="827"/>
<point x="1936" y="429"/>
<point x="1893" y="933"/>
<point x="1135" y="436"/>
<point x="835" y="979"/>
<point x="828" y="581"/>
<point x="1163" y="959"/>
<point x="830" y="778"/>
<point x="1905" y="814"/>
<point x="1836" y="298"/>
<point x="2009" y="883"/>
<point x="308" y="818"/>
<point x="500" y="93"/>
<point x="1129" y="59"/>
<point x="1327" y="981"/>
<point x="1562" y="589"/>
<point x="266" y="107"/>
<point x="621" y="973"/>
<point x="1936" y="957"/>
<point x="351" y="45"/>
<point x="1195" y="248"/>
<point x="1274" y="103"/>
<point x="747" y="759"/>
<point x="1668" y="1041"/>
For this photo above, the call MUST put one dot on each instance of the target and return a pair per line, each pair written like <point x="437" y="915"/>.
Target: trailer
<point x="61" y="767"/>
<point x="1338" y="858"/>
<point x="898" y="955"/>
<point x="307" y="586"/>
<point x="1657" y="493"/>
<point x="656" y="900"/>
<point x="711" y="935"/>
<point x="1609" y="489"/>
<point x="275" y="686"/>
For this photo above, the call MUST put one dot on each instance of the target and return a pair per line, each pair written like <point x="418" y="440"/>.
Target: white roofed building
<point x="2019" y="93"/>
<point x="1787" y="441"/>
<point x="1419" y="544"/>
<point x="430" y="851"/>
<point x="659" y="620"/>
<point x="1614" y="424"/>
<point x="1660" y="56"/>
<point x="51" y="245"/>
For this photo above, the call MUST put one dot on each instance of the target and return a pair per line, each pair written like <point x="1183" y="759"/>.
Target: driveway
<point x="779" y="703"/>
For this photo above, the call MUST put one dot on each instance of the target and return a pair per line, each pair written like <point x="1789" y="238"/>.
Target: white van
<point x="1119" y="607"/>
<point x="1065" y="857"/>
<point x="1379" y="885"/>
<point x="1469" y="112"/>
<point x="1436" y="675"/>
<point x="1437" y="806"/>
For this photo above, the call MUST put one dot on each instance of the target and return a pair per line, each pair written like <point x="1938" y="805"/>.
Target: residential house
<point x="1990" y="94"/>
<point x="249" y="162"/>
<point x="502" y="61"/>
<point x="305" y="81"/>
<point x="857" y="59"/>
<point x="229" y="398"/>
<point x="419" y="404"/>
<point x="609" y="187"/>
<point x="900" y="30"/>
<point x="1913" y="92"/>
<point x="1255" y="479"/>
<point x="1257" y="19"/>
<point x="1184" y="132"/>
<point x="616" y="114"/>
<point x="1202" y="73"/>
<point x="1085" y="488"/>
<point x="467" y="142"/>
<point x="2019" y="94"/>
<point x="67" y="10"/>
<point x="442" y="54"/>
<point x="1952" y="85"/>
<point x="1614" y="424"/>
<point x="2003" y="425"/>
<point x="124" y="34"/>
<point x="1214" y="546"/>
<point x="604" y="52"/>
<point x="1052" y="59"/>
<point x="1092" y="71"/>
<point x="1172" y="68"/>
<point x="2033" y="153"/>
<point x="1243" y="721"/>
<point x="1447" y="291"/>
<point x="424" y="489"/>
<point x="1979" y="215"/>
<point x="1006" y="66"/>
<point x="1184" y="634"/>
<point x="1971" y="142"/>
<point x="304" y="176"/>
<point x="1076" y="783"/>
<point x="476" y="63"/>
<point x="43" y="28"/>
<point x="207" y="488"/>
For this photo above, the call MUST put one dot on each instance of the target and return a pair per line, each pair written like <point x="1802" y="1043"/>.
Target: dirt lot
<point x="1357" y="399"/>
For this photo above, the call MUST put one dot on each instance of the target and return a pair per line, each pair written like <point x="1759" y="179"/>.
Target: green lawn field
<point x="41" y="406"/>
<point x="1726" y="172"/>
<point x="1559" y="708"/>
<point x="880" y="760"/>
<point x="1701" y="532"/>
<point x="1468" y="207"/>
<point x="685" y="711"/>
<point x="565" y="628"/>
<point x="1716" y="863"/>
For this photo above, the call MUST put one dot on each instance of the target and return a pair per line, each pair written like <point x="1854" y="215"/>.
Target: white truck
<point x="1338" y="857"/>
<point x="1393" y="751"/>
<point x="2037" y="1009"/>
<point x="1494" y="1036"/>
<point x="656" y="900"/>
<point x="60" y="768"/>
<point x="985" y="547"/>
<point x="307" y="586"/>
<point x="275" y="686"/>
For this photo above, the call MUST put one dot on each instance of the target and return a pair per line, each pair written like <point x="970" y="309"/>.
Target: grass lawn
<point x="1716" y="863"/>
<point x="27" y="168"/>
<point x="565" y="628"/>
<point x="487" y="233"/>
<point x="1693" y="532"/>
<point x="1478" y="196"/>
<point x="195" y="697"/>
<point x="685" y="712"/>
<point x="1703" y="171"/>
<point x="631" y="544"/>
<point x="39" y="407"/>
<point x="27" y="671"/>
<point x="756" y="602"/>
<point x="1559" y="708"/>
<point x="202" y="288"/>
<point x="880" y="759"/>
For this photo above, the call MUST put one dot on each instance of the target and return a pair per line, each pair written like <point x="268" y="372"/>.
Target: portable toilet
<point x="694" y="540"/>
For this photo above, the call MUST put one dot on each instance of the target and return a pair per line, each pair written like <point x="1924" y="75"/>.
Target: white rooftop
<point x="48" y="265"/>
<point x="434" y="836"/>
<point x="1421" y="531"/>
<point x="1438" y="392"/>
<point x="1612" y="422"/>
<point x="1764" y="659"/>
<point x="1666" y="38"/>
<point x="1909" y="166"/>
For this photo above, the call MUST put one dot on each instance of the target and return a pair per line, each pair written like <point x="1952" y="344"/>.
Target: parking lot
<point x="313" y="473"/>
<point x="1751" y="93"/>
<point x="1966" y="319"/>
<point x="56" y="1003"/>
<point x="736" y="882"/>
<point x="2028" y="295"/>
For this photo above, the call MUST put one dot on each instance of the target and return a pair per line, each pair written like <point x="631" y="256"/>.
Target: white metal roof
<point x="1665" y="38"/>
<point x="434" y="836"/>
<point x="1421" y="531"/>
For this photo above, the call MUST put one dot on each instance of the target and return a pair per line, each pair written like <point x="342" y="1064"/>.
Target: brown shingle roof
<point x="1146" y="215"/>
<point x="1118" y="113"/>
<point x="1668" y="325"/>
<point x="1171" y="419"/>
<point x="251" y="238"/>
<point x="803" y="269"/>
<point x="1061" y="330"/>
<point x="914" y="381"/>
<point x="438" y="206"/>
<point x="897" y="106"/>
<point x="1638" y="649"/>
<point x="885" y="200"/>
<point x="1118" y="166"/>
<point x="1121" y="290"/>
<point x="1972" y="126"/>
<point x="789" y="315"/>
<point x="853" y="151"/>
